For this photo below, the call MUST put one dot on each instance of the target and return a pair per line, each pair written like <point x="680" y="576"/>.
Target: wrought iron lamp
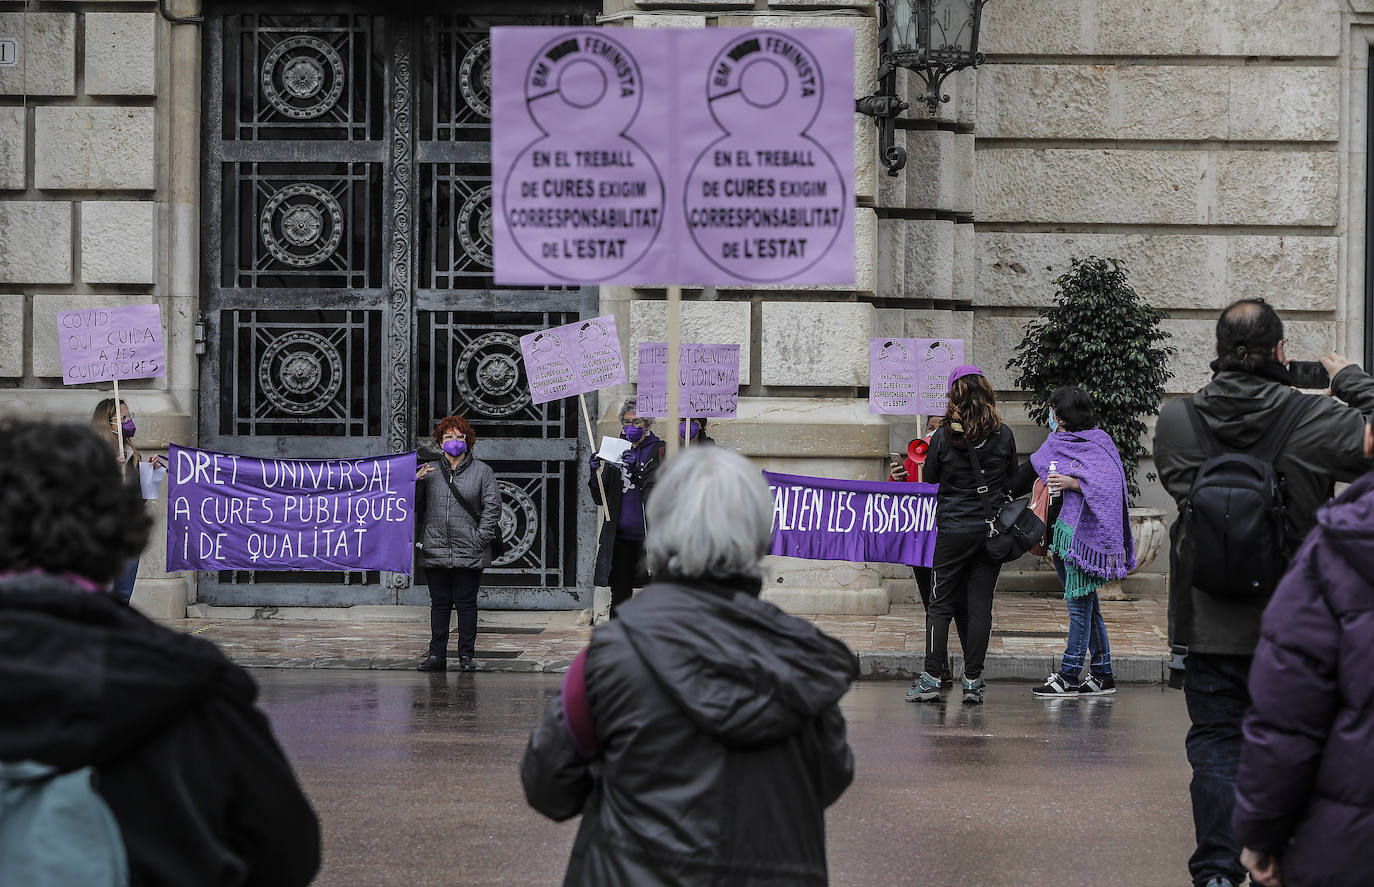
<point x="932" y="39"/>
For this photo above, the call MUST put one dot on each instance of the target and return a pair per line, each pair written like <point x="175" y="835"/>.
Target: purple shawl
<point x="1093" y="532"/>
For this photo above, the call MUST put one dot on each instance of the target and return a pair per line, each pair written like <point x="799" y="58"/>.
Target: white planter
<point x="1150" y="535"/>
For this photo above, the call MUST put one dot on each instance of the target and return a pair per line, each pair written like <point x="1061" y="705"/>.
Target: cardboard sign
<point x="105" y="344"/>
<point x="911" y="376"/>
<point x="573" y="359"/>
<point x="227" y="512"/>
<point x="705" y="156"/>
<point x="708" y="380"/>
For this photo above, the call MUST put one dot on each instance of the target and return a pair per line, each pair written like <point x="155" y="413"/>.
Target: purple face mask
<point x="128" y="426"/>
<point x="683" y="426"/>
<point x="455" y="448"/>
<point x="633" y="433"/>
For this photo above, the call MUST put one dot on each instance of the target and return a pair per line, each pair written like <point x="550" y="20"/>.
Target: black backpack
<point x="1235" y="514"/>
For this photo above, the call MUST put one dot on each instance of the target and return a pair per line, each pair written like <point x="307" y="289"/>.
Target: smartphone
<point x="896" y="457"/>
<point x="1308" y="374"/>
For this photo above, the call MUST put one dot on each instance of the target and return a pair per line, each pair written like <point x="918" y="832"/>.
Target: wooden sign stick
<point x="591" y="435"/>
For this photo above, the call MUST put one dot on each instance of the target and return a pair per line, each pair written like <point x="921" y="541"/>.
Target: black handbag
<point x="1014" y="528"/>
<point x="498" y="545"/>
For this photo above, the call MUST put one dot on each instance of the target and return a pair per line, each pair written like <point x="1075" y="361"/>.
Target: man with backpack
<point x="1249" y="460"/>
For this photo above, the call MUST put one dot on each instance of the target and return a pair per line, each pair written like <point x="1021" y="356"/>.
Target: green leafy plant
<point x="1101" y="336"/>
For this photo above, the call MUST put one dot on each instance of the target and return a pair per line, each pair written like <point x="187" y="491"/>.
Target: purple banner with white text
<point x="824" y="518"/>
<point x="227" y="512"/>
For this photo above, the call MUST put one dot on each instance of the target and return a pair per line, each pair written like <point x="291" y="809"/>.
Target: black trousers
<point x="964" y="580"/>
<point x="925" y="583"/>
<point x="627" y="570"/>
<point x="1217" y="690"/>
<point x="453" y="588"/>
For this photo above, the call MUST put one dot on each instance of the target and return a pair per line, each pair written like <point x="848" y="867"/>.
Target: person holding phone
<point x="911" y="469"/>
<point x="457" y="516"/>
<point x="113" y="422"/>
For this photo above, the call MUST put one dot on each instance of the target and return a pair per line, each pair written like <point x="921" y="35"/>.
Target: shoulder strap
<point x="984" y="492"/>
<point x="577" y="708"/>
<point x="1294" y="408"/>
<point x="448" y="476"/>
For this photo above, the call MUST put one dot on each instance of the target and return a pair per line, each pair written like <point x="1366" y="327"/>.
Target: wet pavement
<point x="1028" y="633"/>
<point x="416" y="783"/>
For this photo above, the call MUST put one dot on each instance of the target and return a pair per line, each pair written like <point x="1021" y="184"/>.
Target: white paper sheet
<point x="613" y="448"/>
<point x="150" y="478"/>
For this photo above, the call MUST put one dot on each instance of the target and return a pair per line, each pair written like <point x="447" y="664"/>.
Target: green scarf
<point x="1077" y="581"/>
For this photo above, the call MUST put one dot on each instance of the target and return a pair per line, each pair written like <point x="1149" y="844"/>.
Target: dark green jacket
<point x="1326" y="447"/>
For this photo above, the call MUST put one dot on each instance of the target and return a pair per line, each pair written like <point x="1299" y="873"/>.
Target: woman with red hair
<point x="457" y="515"/>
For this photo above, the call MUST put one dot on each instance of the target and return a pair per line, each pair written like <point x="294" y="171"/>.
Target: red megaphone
<point x="917" y="449"/>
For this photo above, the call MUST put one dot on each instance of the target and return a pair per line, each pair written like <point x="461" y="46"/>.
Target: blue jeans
<point x="1216" y="690"/>
<point x="1087" y="633"/>
<point x="123" y="587"/>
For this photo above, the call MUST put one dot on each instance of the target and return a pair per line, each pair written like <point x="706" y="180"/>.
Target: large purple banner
<point x="823" y="518"/>
<point x="573" y="359"/>
<point x="227" y="512"/>
<point x="659" y="156"/>
<point x="708" y="380"/>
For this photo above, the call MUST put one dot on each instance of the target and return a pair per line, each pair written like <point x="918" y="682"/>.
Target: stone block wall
<point x="1203" y="146"/>
<point x="84" y="214"/>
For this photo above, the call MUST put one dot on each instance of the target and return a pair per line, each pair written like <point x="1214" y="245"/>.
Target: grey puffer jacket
<point x="448" y="536"/>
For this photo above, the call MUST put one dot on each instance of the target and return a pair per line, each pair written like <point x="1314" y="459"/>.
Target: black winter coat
<point x="721" y="745"/>
<point x="1326" y="446"/>
<point x="645" y="477"/>
<point x="1305" y="785"/>
<point x="201" y="791"/>
<point x="958" y="506"/>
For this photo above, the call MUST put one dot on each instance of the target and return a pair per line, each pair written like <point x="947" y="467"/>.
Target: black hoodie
<point x="721" y="745"/>
<point x="201" y="791"/>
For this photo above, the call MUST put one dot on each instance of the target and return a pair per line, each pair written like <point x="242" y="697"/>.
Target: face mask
<point x="1054" y="422"/>
<point x="128" y="426"/>
<point x="455" y="448"/>
<point x="683" y="426"/>
<point x="633" y="433"/>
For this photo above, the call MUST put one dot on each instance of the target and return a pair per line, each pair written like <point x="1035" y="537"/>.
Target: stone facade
<point x="1218" y="148"/>
<point x="85" y="177"/>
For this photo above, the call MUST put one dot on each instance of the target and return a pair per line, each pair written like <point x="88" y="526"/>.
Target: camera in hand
<point x="1308" y="374"/>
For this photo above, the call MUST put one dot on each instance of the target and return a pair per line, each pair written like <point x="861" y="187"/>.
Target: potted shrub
<point x="1101" y="336"/>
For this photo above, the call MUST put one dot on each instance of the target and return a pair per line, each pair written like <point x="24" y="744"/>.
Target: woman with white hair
<point x="620" y="556"/>
<point x="699" y="733"/>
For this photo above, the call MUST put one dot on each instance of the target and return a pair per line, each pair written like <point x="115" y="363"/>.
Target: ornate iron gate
<point x="347" y="293"/>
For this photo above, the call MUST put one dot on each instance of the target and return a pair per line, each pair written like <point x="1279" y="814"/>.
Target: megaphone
<point x="917" y="449"/>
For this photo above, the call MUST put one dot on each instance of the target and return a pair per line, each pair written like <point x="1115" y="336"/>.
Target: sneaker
<point x="1097" y="686"/>
<point x="973" y="690"/>
<point x="1056" y="687"/>
<point x="466" y="665"/>
<point x="926" y="688"/>
<point x="1220" y="880"/>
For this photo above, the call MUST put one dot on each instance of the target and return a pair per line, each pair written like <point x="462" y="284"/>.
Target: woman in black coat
<point x="965" y="573"/>
<point x="699" y="734"/>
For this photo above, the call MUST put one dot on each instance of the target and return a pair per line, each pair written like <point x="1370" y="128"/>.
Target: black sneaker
<point x="466" y="665"/>
<point x="432" y="663"/>
<point x="1056" y="687"/>
<point x="1094" y="685"/>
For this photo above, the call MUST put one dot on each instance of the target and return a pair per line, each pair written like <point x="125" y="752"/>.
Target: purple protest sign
<point x="578" y="194"/>
<point x="227" y="512"/>
<point x="657" y="156"/>
<point x="892" y="382"/>
<point x="767" y="136"/>
<point x="708" y="380"/>
<point x="934" y="359"/>
<point x="823" y="518"/>
<point x="109" y="344"/>
<point x="573" y="359"/>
